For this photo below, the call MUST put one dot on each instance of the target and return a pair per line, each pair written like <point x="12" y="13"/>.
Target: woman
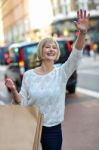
<point x="44" y="86"/>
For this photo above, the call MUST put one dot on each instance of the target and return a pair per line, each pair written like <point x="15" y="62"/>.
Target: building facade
<point x="1" y="28"/>
<point x="64" y="12"/>
<point x="21" y="20"/>
<point x="26" y="20"/>
<point x="15" y="19"/>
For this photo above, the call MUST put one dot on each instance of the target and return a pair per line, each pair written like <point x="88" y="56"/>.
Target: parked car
<point x="24" y="56"/>
<point x="3" y="50"/>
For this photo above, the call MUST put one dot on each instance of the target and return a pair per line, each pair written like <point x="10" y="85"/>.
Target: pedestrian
<point x="87" y="48"/>
<point x="94" y="48"/>
<point x="45" y="85"/>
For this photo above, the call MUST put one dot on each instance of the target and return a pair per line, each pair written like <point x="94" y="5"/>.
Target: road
<point x="5" y="96"/>
<point x="80" y="127"/>
<point x="88" y="76"/>
<point x="2" y="71"/>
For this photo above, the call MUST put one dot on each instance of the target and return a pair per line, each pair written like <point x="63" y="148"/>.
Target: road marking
<point x="88" y="72"/>
<point x="88" y="92"/>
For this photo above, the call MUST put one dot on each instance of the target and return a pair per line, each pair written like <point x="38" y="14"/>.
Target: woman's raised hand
<point x="10" y="84"/>
<point x="82" y="22"/>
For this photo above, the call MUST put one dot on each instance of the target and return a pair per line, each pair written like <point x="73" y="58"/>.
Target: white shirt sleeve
<point x="72" y="63"/>
<point x="23" y="92"/>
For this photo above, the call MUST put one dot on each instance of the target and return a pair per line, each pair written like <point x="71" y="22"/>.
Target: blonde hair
<point x="42" y="44"/>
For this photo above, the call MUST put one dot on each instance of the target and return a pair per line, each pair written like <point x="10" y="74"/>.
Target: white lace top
<point x="48" y="91"/>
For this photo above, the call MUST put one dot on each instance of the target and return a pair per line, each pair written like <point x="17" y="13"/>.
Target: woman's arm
<point x="79" y="44"/>
<point x="82" y="24"/>
<point x="16" y="96"/>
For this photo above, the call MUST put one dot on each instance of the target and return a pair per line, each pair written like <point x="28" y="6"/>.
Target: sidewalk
<point x="81" y="124"/>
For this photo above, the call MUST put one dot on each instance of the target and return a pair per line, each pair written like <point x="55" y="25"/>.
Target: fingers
<point x="8" y="80"/>
<point x="78" y="14"/>
<point x="10" y="84"/>
<point x="88" y="16"/>
<point x="82" y="14"/>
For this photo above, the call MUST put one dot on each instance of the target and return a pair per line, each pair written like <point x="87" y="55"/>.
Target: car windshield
<point x="63" y="50"/>
<point x="30" y="56"/>
<point x="13" y="54"/>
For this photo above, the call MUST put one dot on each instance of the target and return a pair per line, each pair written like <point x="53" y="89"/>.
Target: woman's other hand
<point x="82" y="22"/>
<point x="10" y="84"/>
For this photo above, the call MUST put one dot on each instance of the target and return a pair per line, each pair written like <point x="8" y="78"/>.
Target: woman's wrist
<point x="15" y="95"/>
<point x="13" y="89"/>
<point x="83" y="32"/>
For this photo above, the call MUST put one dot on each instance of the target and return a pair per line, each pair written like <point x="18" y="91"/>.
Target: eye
<point x="47" y="46"/>
<point x="54" y="47"/>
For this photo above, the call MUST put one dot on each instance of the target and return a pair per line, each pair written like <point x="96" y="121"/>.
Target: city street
<point x="88" y="72"/>
<point x="80" y="127"/>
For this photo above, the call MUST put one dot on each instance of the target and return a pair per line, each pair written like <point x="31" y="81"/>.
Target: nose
<point x="51" y="48"/>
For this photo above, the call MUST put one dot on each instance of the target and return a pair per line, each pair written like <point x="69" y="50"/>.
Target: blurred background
<point x="30" y="20"/>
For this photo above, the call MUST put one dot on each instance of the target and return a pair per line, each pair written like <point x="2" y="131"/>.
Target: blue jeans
<point x="51" y="138"/>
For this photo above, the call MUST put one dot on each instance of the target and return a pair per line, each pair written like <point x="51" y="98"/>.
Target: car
<point x="23" y="56"/>
<point x="3" y="55"/>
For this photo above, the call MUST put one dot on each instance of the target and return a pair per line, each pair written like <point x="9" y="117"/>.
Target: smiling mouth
<point x="50" y="54"/>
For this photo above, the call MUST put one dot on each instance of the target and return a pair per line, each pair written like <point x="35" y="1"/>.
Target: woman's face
<point x="50" y="51"/>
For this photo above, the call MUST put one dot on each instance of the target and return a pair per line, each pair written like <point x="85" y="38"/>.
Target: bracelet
<point x="83" y="32"/>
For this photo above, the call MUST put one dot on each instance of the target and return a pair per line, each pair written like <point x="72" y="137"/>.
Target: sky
<point x="40" y="13"/>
